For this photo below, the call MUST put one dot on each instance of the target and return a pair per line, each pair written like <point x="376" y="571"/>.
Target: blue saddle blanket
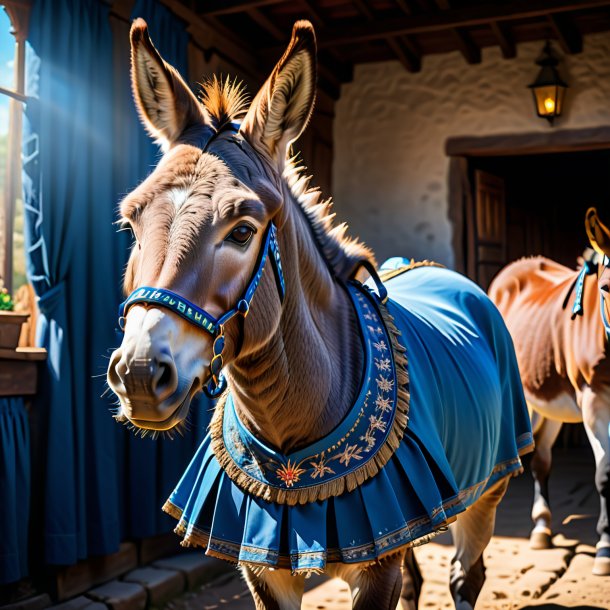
<point x="467" y="426"/>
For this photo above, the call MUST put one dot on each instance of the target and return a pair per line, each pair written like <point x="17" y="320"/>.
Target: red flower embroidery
<point x="289" y="473"/>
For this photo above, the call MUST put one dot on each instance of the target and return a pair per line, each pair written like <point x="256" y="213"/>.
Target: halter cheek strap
<point x="602" y="303"/>
<point x="590" y="268"/>
<point x="200" y="318"/>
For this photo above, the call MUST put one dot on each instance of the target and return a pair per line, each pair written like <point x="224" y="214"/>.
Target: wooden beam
<point x="443" y="4"/>
<point x="568" y="36"/>
<point x="466" y="46"/>
<point x="314" y="13"/>
<point x="407" y="58"/>
<point x="210" y="33"/>
<point x="330" y="58"/>
<point x="505" y="39"/>
<point x="564" y="140"/>
<point x="405" y="7"/>
<point x="268" y="25"/>
<point x="364" y="9"/>
<point x="453" y="18"/>
<point x="226" y="7"/>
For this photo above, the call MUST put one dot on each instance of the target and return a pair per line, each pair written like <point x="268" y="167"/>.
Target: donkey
<point x="558" y="320"/>
<point x="353" y="427"/>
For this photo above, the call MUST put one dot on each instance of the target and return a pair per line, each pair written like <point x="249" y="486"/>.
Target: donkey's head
<point x="200" y="220"/>
<point x="599" y="236"/>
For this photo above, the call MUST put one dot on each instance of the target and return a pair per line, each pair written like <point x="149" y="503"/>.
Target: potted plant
<point x="10" y="321"/>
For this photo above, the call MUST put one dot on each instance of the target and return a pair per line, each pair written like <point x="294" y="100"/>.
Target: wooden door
<point x="488" y="228"/>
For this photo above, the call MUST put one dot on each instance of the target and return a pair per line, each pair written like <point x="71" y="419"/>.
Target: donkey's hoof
<point x="601" y="565"/>
<point x="541" y="539"/>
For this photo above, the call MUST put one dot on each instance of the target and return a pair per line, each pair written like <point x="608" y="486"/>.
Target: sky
<point x="7" y="56"/>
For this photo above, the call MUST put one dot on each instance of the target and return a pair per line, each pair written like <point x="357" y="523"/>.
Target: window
<point x="12" y="96"/>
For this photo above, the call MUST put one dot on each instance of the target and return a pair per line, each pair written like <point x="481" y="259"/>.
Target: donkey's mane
<point x="342" y="252"/>
<point x="226" y="101"/>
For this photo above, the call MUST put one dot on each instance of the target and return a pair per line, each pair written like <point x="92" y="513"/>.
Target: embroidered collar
<point x="354" y="451"/>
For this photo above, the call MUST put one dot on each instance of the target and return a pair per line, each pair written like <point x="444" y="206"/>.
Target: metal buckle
<point x="217" y="361"/>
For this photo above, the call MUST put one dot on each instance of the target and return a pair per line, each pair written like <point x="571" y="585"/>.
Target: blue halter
<point x="590" y="268"/>
<point x="602" y="303"/>
<point x="198" y="317"/>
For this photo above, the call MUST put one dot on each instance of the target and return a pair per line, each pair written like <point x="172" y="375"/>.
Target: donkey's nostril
<point x="165" y="379"/>
<point x="163" y="376"/>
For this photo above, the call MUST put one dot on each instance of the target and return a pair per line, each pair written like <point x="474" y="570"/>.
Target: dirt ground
<point x="517" y="577"/>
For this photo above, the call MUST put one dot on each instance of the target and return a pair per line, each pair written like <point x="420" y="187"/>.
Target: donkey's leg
<point x="471" y="534"/>
<point x="274" y="589"/>
<point x="376" y="586"/>
<point x="412" y="582"/>
<point x="545" y="434"/>
<point x="596" y="417"/>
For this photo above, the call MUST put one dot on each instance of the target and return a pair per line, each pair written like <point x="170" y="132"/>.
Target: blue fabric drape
<point x="15" y="489"/>
<point x="82" y="152"/>
<point x="68" y="201"/>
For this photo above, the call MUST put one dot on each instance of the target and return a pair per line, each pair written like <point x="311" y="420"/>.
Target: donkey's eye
<point x="241" y="235"/>
<point x="126" y="226"/>
<point x="132" y="233"/>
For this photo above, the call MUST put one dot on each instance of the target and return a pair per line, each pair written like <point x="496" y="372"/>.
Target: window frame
<point x="18" y="12"/>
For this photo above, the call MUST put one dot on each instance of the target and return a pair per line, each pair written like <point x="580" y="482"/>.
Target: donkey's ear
<point x="598" y="233"/>
<point x="280" y="111"/>
<point x="164" y="101"/>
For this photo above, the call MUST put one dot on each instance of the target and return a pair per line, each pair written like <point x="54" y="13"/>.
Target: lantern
<point x="548" y="89"/>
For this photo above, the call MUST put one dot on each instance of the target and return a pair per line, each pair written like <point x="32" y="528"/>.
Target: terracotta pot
<point x="10" y="328"/>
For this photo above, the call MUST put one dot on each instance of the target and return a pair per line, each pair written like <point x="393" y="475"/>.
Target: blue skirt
<point x="467" y="426"/>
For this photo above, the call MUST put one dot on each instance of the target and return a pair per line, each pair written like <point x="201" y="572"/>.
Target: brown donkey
<point x="558" y="320"/>
<point x="326" y="453"/>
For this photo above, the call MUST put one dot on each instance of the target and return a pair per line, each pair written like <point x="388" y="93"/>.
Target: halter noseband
<point x="198" y="317"/>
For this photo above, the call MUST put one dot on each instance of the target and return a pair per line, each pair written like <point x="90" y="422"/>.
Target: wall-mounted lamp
<point x="549" y="88"/>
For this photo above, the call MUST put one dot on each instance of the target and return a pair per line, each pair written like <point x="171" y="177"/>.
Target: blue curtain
<point x="99" y="484"/>
<point x="14" y="489"/>
<point x="71" y="263"/>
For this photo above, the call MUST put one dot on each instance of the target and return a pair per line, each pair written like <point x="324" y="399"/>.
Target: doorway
<point x="523" y="195"/>
<point x="526" y="205"/>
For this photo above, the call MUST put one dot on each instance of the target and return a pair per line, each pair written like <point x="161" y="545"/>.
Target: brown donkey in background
<point x="563" y="358"/>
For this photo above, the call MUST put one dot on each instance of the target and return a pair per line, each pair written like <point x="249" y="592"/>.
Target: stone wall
<point x="390" y="128"/>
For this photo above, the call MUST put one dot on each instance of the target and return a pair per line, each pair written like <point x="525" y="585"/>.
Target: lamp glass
<point x="549" y="100"/>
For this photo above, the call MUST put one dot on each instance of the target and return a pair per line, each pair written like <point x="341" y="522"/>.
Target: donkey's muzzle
<point x="143" y="384"/>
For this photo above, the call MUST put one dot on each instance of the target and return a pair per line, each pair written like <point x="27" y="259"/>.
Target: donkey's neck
<point x="298" y="386"/>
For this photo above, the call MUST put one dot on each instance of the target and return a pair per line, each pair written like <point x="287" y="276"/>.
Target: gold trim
<point x="349" y="481"/>
<point x="384" y="276"/>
